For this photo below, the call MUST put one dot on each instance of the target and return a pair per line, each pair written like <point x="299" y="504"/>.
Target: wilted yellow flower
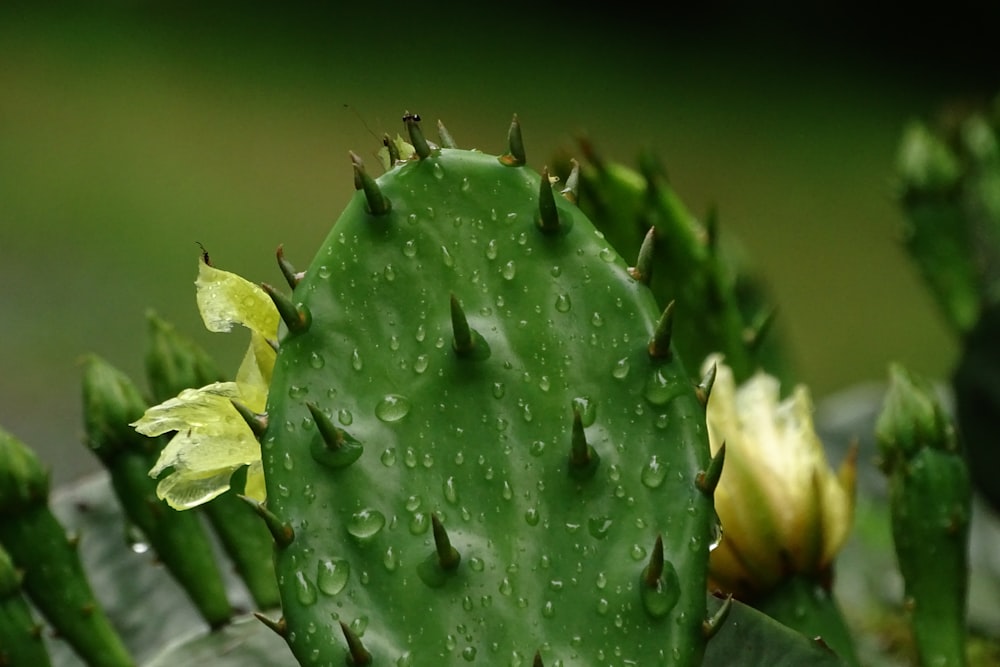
<point x="783" y="509"/>
<point x="213" y="440"/>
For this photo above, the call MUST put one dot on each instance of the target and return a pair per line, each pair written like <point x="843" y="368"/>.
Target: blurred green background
<point x="131" y="131"/>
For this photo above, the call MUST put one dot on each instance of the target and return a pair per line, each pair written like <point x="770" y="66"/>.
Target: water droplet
<point x="505" y="588"/>
<point x="389" y="273"/>
<point x="446" y="257"/>
<point x="620" y="371"/>
<point x="526" y="413"/>
<point x="716" y="535"/>
<point x="469" y="653"/>
<point x="421" y="333"/>
<point x="388" y="457"/>
<point x="536" y="448"/>
<point x="659" y="389"/>
<point x="602" y="580"/>
<point x="653" y="472"/>
<point x="599" y="526"/>
<point x="661" y="597"/>
<point x="548" y="611"/>
<point x="366" y="523"/>
<point x="450" y="492"/>
<point x="506" y="491"/>
<point x="498" y="389"/>
<point x="412" y="218"/>
<point x="421" y="363"/>
<point x="297" y="391"/>
<point x="333" y="575"/>
<point x="555" y="271"/>
<point x="531" y="516"/>
<point x="287" y="461"/>
<point x="323" y="271"/>
<point x="356" y="362"/>
<point x="410" y="458"/>
<point x="544" y="383"/>
<point x="392" y="408"/>
<point x="638" y="552"/>
<point x="410" y="248"/>
<point x="477" y="564"/>
<point x="597" y="320"/>
<point x="587" y="409"/>
<point x="345" y="417"/>
<point x="305" y="590"/>
<point x="316" y="360"/>
<point x="419" y="523"/>
<point x="390" y="559"/>
<point x="602" y="606"/>
<point x="509" y="270"/>
<point x="563" y="303"/>
<point x="607" y="254"/>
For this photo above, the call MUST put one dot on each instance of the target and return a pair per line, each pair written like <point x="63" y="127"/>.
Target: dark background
<point x="130" y="131"/>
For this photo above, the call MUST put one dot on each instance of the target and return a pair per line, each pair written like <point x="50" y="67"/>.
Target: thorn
<point x="445" y="136"/>
<point x="279" y="627"/>
<point x="420" y="145"/>
<point x="256" y="422"/>
<point x="296" y="318"/>
<point x="378" y="204"/>
<point x="754" y="334"/>
<point x="357" y="653"/>
<point x="392" y="148"/>
<point x="659" y="346"/>
<point x="643" y="269"/>
<point x="448" y="556"/>
<point x="273" y="344"/>
<point x="713" y="624"/>
<point x="548" y="215"/>
<point x="281" y="532"/>
<point x="466" y="341"/>
<point x="571" y="190"/>
<point x="537" y="662"/>
<point x="712" y="229"/>
<point x="335" y="448"/>
<point x="292" y="277"/>
<point x="707" y="480"/>
<point x="514" y="157"/>
<point x="704" y="388"/>
<point x="583" y="459"/>
<point x="651" y="575"/>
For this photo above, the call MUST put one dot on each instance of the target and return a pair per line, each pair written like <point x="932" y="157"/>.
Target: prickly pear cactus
<point x="479" y="446"/>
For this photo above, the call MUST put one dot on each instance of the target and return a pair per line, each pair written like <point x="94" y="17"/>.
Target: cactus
<point x="479" y="441"/>
<point x="20" y="635"/>
<point x="930" y="498"/>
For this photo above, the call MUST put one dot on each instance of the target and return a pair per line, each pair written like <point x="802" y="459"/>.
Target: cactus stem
<point x="256" y="422"/>
<point x="296" y="318"/>
<point x="420" y="145"/>
<point x="279" y="627"/>
<point x="713" y="624"/>
<point x="537" y="662"/>
<point x="448" y="557"/>
<point x="337" y="449"/>
<point x="357" y="653"/>
<point x="393" y="150"/>
<point x="704" y="388"/>
<point x="571" y="190"/>
<point x="651" y="575"/>
<point x="707" y="480"/>
<point x="755" y="332"/>
<point x="466" y="341"/>
<point x="514" y="157"/>
<point x="445" y="136"/>
<point x="712" y="229"/>
<point x="548" y="215"/>
<point x="643" y="270"/>
<point x="292" y="277"/>
<point x="659" y="346"/>
<point x="281" y="532"/>
<point x="583" y="459"/>
<point x="378" y="204"/>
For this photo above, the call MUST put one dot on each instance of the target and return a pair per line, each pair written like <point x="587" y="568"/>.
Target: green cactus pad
<point x="549" y="561"/>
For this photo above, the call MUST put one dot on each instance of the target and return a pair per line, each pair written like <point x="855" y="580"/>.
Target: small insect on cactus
<point x="478" y="444"/>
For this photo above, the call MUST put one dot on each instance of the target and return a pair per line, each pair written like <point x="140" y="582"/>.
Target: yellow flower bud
<point x="783" y="509"/>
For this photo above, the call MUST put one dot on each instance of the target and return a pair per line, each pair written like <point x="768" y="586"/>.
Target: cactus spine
<point x="526" y="487"/>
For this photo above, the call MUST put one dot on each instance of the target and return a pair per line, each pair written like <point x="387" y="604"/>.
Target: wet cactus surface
<point x="479" y="445"/>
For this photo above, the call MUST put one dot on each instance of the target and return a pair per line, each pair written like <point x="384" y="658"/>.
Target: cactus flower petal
<point x="212" y="440"/>
<point x="782" y="508"/>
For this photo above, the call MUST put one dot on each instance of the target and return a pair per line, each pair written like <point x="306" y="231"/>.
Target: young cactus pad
<point x="480" y="446"/>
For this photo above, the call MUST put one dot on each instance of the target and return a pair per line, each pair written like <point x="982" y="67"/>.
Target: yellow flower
<point x="783" y="509"/>
<point x="212" y="440"/>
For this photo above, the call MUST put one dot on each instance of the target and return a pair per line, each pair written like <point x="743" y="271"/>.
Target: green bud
<point x="912" y="418"/>
<point x="111" y="402"/>
<point x="24" y="481"/>
<point x="925" y="163"/>
<point x="174" y="362"/>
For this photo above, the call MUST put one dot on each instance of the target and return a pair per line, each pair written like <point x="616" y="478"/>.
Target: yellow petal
<point x="255" y="482"/>
<point x="190" y="408"/>
<point x="184" y="491"/>
<point x="226" y="299"/>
